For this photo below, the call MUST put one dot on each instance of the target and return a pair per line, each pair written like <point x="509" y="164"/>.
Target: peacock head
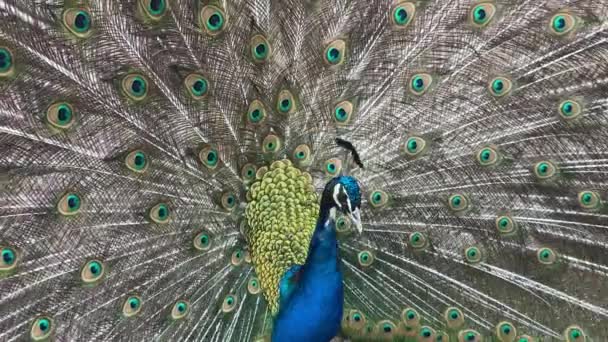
<point x="343" y="194"/>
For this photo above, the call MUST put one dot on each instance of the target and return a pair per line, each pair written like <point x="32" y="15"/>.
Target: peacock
<point x="304" y="170"/>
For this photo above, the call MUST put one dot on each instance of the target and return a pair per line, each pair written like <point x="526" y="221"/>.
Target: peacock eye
<point x="569" y="109"/>
<point x="413" y="146"/>
<point x="420" y="83"/>
<point x="343" y="112"/>
<point x="544" y="170"/>
<point x="6" y="62"/>
<point x="213" y="20"/>
<point x="469" y="335"/>
<point x="209" y="157"/>
<point x="589" y="200"/>
<point x="202" y="241"/>
<point x="92" y="271"/>
<point x="260" y="48"/>
<point x="487" y="156"/>
<point x="78" y="22"/>
<point x="42" y="328"/>
<point x="546" y="256"/>
<point x="135" y="87"/>
<point x="562" y="23"/>
<point x="256" y="113"/>
<point x="229" y="303"/>
<point x="286" y="102"/>
<point x="427" y="334"/>
<point x="153" y="9"/>
<point x="229" y="200"/>
<point x="180" y="309"/>
<point x="248" y="172"/>
<point x="333" y="166"/>
<point x="8" y="258"/>
<point x="472" y="255"/>
<point x="302" y="155"/>
<point x="482" y="14"/>
<point x="334" y="52"/>
<point x="500" y="86"/>
<point x="386" y="327"/>
<point x="253" y="286"/>
<point x="458" y="202"/>
<point x="238" y="257"/>
<point x="365" y="258"/>
<point x="574" y="334"/>
<point x="69" y="204"/>
<point x="160" y="213"/>
<point x="343" y="224"/>
<point x="60" y="115"/>
<point x="378" y="198"/>
<point x="410" y="317"/>
<point x="505" y="225"/>
<point x="196" y="85"/>
<point x="402" y="14"/>
<point x="271" y="144"/>
<point x="418" y="240"/>
<point x="506" y="331"/>
<point x="524" y="338"/>
<point x="131" y="306"/>
<point x="454" y="318"/>
<point x="137" y="161"/>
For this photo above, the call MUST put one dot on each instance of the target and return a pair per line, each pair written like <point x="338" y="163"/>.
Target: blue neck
<point x="323" y="250"/>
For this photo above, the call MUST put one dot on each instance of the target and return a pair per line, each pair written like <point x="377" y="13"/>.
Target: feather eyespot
<point x="160" y="213"/>
<point x="562" y="24"/>
<point x="253" y="286"/>
<point x="500" y="86"/>
<point x="545" y="170"/>
<point x="334" y="52"/>
<point x="525" y="338"/>
<point x="248" y="172"/>
<point x="402" y="14"/>
<point x="410" y="318"/>
<point x="209" y="157"/>
<point x="505" y="225"/>
<point x="78" y="21"/>
<point x="6" y="62"/>
<point x="488" y="156"/>
<point x="413" y="146"/>
<point x="131" y="306"/>
<point x="546" y="256"/>
<point x="197" y="86"/>
<point x="260" y="48"/>
<point x="229" y="201"/>
<point x="458" y="203"/>
<point x="271" y="144"/>
<point x="482" y="14"/>
<point x="332" y="167"/>
<point x="92" y="271"/>
<point x="418" y="240"/>
<point x="589" y="200"/>
<point x="302" y="155"/>
<point x="343" y="112"/>
<point x="202" y="241"/>
<point x="180" y="309"/>
<point x="213" y="20"/>
<point x="135" y="86"/>
<point x="569" y="109"/>
<point x="286" y="102"/>
<point x="365" y="258"/>
<point x="9" y="258"/>
<point x="378" y="198"/>
<point x="69" y="204"/>
<point x="506" y="331"/>
<point x="427" y="334"/>
<point x="154" y="9"/>
<point x="60" y="115"/>
<point x="469" y="335"/>
<point x="454" y="317"/>
<point x="137" y="161"/>
<point x="420" y="83"/>
<point x="256" y="114"/>
<point x="42" y="328"/>
<point x="343" y="224"/>
<point x="356" y="319"/>
<point x="574" y="333"/>
<point x="472" y="255"/>
<point x="386" y="328"/>
<point x="237" y="258"/>
<point x="229" y="303"/>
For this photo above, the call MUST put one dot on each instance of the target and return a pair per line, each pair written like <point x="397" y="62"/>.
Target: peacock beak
<point x="355" y="217"/>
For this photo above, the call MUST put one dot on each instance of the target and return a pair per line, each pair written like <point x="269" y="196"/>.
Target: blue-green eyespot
<point x="378" y="198"/>
<point x="413" y="146"/>
<point x="60" y="115"/>
<point x="418" y="240"/>
<point x="402" y="14"/>
<point x="209" y="157"/>
<point x="229" y="200"/>
<point x="248" y="172"/>
<point x="545" y="170"/>
<point x="238" y="257"/>
<point x="343" y="112"/>
<point x="153" y="9"/>
<point x="202" y="241"/>
<point x="332" y="166"/>
<point x="454" y="317"/>
<point x="426" y="334"/>
<point x="197" y="86"/>
<point x="469" y="335"/>
<point x="506" y="331"/>
<point x="458" y="202"/>
<point x="92" y="271"/>
<point x="260" y="48"/>
<point x="135" y="86"/>
<point x="546" y="256"/>
<point x="180" y="309"/>
<point x="574" y="333"/>
<point x="569" y="109"/>
<point x="69" y="204"/>
<point x="410" y="318"/>
<point x="420" y="83"/>
<point x="136" y="161"/>
<point x="78" y="21"/>
<point x="229" y="303"/>
<point x="365" y="258"/>
<point x="356" y="320"/>
<point x="6" y="62"/>
<point x="500" y="86"/>
<point x="589" y="200"/>
<point x="253" y="286"/>
<point x="472" y="255"/>
<point x="334" y="52"/>
<point x="505" y="224"/>
<point x="386" y="328"/>
<point x="302" y="155"/>
<point x="212" y="20"/>
<point x="9" y="258"/>
<point x="42" y="328"/>
<point x="488" y="156"/>
<point x="256" y="113"/>
<point x="160" y="213"/>
<point x="562" y="23"/>
<point x="271" y="144"/>
<point x="482" y="14"/>
<point x="286" y="102"/>
<point x="131" y="306"/>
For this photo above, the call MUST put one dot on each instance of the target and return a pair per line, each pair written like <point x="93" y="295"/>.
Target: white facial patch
<point x="337" y="190"/>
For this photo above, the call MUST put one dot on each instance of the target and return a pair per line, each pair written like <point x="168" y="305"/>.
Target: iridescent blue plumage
<point x="311" y="295"/>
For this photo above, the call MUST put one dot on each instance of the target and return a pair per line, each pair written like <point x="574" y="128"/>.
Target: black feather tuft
<point x="347" y="145"/>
